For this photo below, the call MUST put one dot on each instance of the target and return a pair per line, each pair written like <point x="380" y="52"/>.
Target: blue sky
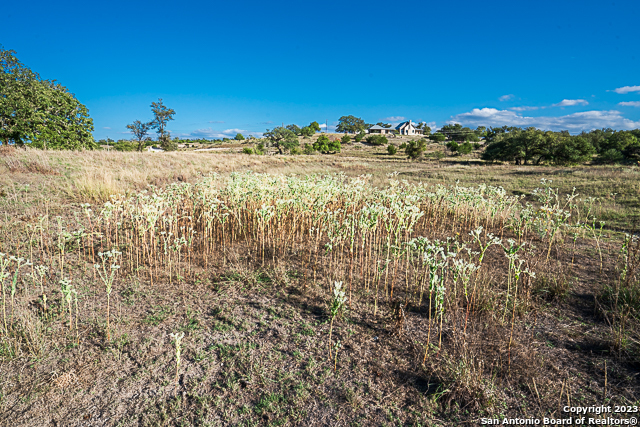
<point x="247" y="66"/>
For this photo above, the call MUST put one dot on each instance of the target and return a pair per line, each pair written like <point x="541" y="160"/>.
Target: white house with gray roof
<point x="404" y="128"/>
<point x="408" y="128"/>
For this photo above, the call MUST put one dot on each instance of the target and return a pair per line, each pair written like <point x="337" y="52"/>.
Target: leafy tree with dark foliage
<point x="295" y="129"/>
<point x="139" y="131"/>
<point x="351" y="124"/>
<point x="325" y="145"/>
<point x="40" y="112"/>
<point x="162" y="116"/>
<point x="282" y="138"/>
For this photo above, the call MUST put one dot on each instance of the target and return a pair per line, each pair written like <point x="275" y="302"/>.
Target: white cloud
<point x="576" y="122"/>
<point x="207" y="133"/>
<point x="627" y="89"/>
<point x="570" y="103"/>
<point x="331" y="128"/>
<point x="629" y="104"/>
<point x="432" y="125"/>
<point x="233" y="131"/>
<point x="106" y="127"/>
<point x="506" y="97"/>
<point x="525" y="108"/>
<point x="394" y="119"/>
<point x="213" y="133"/>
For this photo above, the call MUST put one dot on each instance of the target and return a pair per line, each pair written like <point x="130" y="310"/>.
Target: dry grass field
<point x="217" y="288"/>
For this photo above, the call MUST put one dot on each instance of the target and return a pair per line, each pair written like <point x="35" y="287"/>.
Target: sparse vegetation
<point x="469" y="291"/>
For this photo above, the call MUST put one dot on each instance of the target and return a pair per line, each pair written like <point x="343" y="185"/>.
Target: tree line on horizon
<point x="46" y="115"/>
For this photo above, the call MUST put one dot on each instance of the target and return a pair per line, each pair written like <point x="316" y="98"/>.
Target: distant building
<point x="154" y="149"/>
<point x="408" y="128"/>
<point x="380" y="130"/>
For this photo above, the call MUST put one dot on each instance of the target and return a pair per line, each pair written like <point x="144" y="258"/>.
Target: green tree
<point x="295" y="129"/>
<point x="282" y="138"/>
<point x="426" y="130"/>
<point x="597" y="136"/>
<point x="239" y="137"/>
<point x="415" y="149"/>
<point x="325" y="145"/>
<point x="162" y="115"/>
<point x="572" y="150"/>
<point x="41" y="112"/>
<point x="307" y="131"/>
<point x="166" y="143"/>
<point x="139" y="131"/>
<point x="457" y="132"/>
<point x="314" y="126"/>
<point x="351" y="124"/>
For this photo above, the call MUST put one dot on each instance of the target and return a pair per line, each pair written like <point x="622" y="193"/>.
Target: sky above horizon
<point x="248" y="66"/>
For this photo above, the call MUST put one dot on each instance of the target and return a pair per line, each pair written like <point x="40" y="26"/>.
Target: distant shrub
<point x="296" y="150"/>
<point x="239" y="137"/>
<point x="359" y="137"/>
<point x="167" y="143"/>
<point x="415" y="149"/>
<point x="247" y="150"/>
<point x="325" y="145"/>
<point x="403" y="146"/>
<point x="437" y="137"/>
<point x="259" y="149"/>
<point x="345" y="139"/>
<point x="453" y="146"/>
<point x="611" y="156"/>
<point x="377" y="140"/>
<point x="476" y="145"/>
<point x="392" y="149"/>
<point x="124" y="145"/>
<point x="308" y="149"/>
<point x="465" y="148"/>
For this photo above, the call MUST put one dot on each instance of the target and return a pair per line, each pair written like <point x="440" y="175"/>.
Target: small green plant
<point x="345" y="139"/>
<point x="4" y="263"/>
<point x="40" y="275"/>
<point x="359" y="137"/>
<point x="308" y="149"/>
<point x="178" y="345"/>
<point x="392" y="149"/>
<point x="336" y="347"/>
<point x="67" y="291"/>
<point x="108" y="276"/>
<point x="247" y="150"/>
<point x="337" y="306"/>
